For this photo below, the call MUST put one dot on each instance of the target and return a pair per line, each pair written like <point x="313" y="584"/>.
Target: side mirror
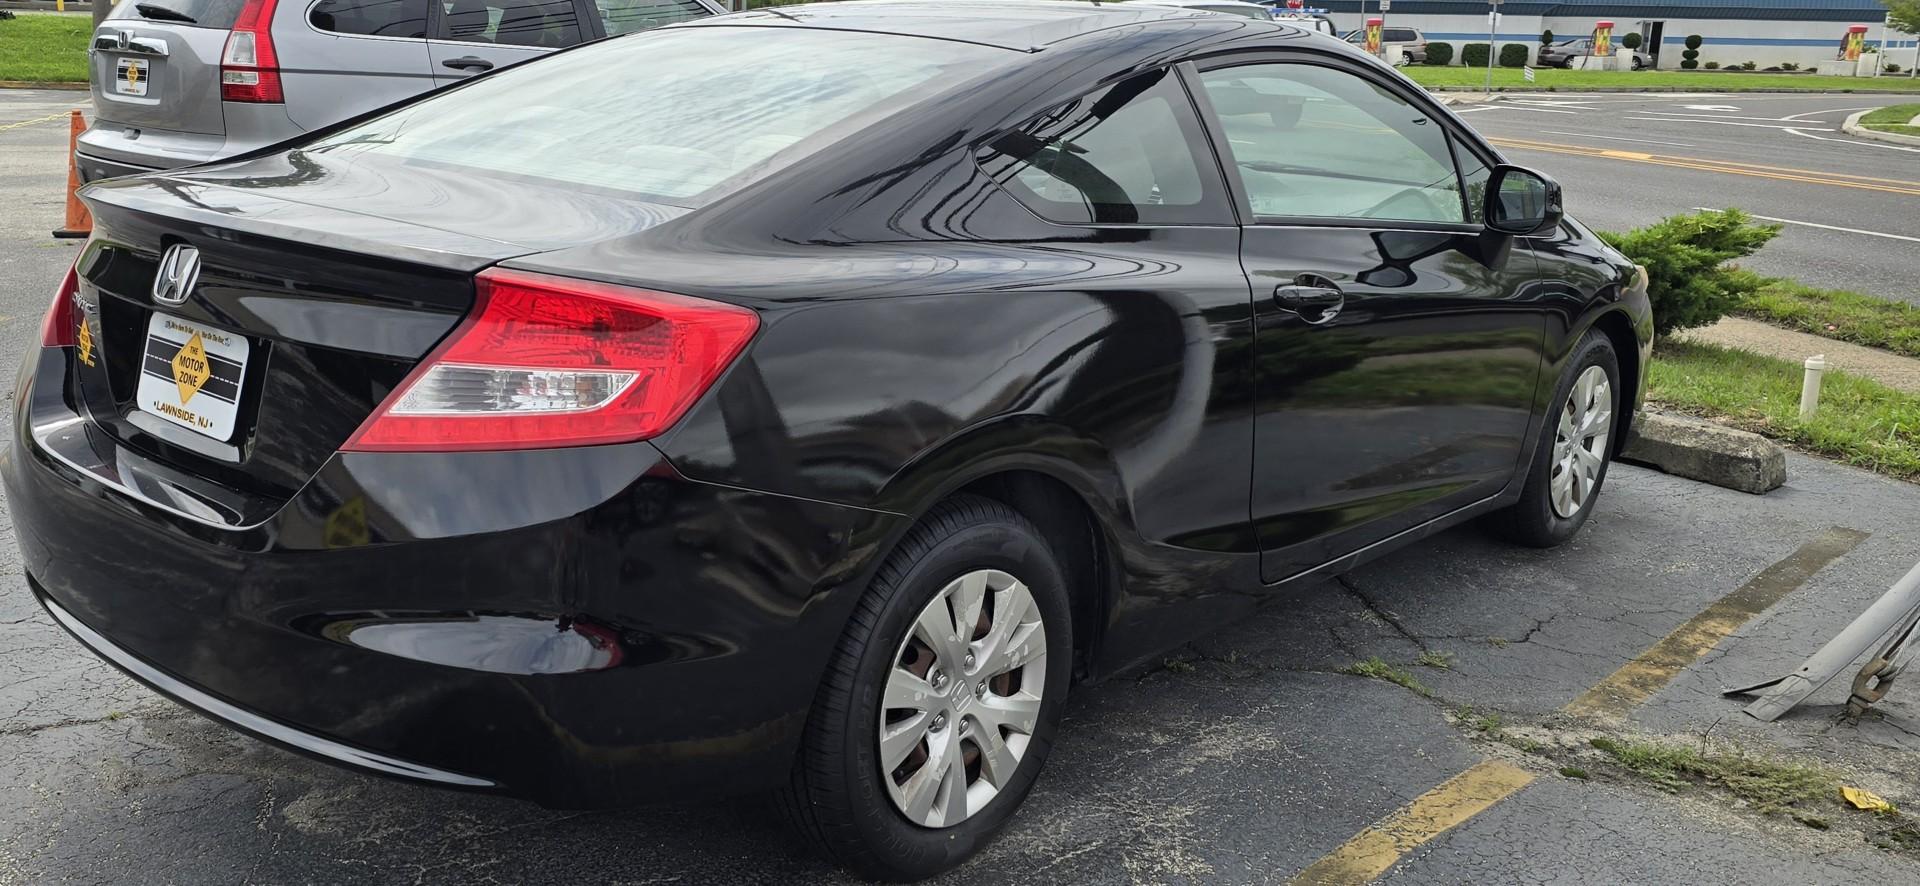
<point x="1522" y="202"/>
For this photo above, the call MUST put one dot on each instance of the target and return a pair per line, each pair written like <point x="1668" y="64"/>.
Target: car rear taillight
<point x="60" y="328"/>
<point x="249" y="68"/>
<point x="547" y="361"/>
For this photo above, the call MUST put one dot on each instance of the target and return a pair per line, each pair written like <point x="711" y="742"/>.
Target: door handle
<point x="468" y="63"/>
<point x="1314" y="304"/>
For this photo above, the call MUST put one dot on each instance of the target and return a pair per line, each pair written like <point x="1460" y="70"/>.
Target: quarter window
<point x="1318" y="142"/>
<point x="548" y="24"/>
<point x="1122" y="155"/>
<point x="626" y="16"/>
<point x="378" y="18"/>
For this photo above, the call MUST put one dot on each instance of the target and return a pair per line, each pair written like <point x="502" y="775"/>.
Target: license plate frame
<point x="191" y="375"/>
<point x="131" y="76"/>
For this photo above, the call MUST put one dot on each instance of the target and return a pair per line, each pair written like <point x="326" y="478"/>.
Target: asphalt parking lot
<point x="1250" y="757"/>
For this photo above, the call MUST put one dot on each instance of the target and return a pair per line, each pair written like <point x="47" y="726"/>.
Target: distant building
<point x="1766" y="32"/>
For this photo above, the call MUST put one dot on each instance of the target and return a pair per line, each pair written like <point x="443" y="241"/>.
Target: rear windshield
<point x="193" y="13"/>
<point x="669" y="115"/>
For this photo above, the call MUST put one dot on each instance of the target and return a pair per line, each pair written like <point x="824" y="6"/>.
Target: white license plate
<point x="130" y="76"/>
<point x="191" y="373"/>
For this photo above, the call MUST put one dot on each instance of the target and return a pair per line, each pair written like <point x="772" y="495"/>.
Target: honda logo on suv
<point x="179" y="269"/>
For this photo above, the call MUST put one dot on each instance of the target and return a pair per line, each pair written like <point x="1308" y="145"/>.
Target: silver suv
<point x="177" y="82"/>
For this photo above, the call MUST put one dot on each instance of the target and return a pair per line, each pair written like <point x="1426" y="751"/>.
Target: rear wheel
<point x="939" y="706"/>
<point x="1575" y="448"/>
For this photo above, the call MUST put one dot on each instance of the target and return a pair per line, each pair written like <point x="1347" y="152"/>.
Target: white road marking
<point x="1684" y="116"/>
<point x="1808" y="224"/>
<point x="1853" y="141"/>
<point x="1805" y="114"/>
<point x="1618" y="138"/>
<point x="1729" y="123"/>
<point x="1710" y="107"/>
<point x="1509" y="106"/>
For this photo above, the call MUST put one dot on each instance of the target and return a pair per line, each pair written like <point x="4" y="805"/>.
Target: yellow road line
<point x="1372" y="851"/>
<point x="1831" y="179"/>
<point x="1639" y="679"/>
<point x="35" y="121"/>
<point x="1741" y="164"/>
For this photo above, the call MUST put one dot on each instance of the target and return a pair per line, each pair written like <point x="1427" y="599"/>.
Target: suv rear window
<point x="1400" y="35"/>
<point x="192" y="13"/>
<point x="669" y="115"/>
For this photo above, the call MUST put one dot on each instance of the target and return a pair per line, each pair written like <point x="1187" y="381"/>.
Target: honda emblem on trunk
<point x="120" y="40"/>
<point x="179" y="269"/>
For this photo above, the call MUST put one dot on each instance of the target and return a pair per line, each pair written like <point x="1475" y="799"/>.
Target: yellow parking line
<point x="35" y="121"/>
<point x="1637" y="680"/>
<point x="1372" y="851"/>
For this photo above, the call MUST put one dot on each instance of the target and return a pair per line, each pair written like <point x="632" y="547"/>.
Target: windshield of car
<point x="669" y="115"/>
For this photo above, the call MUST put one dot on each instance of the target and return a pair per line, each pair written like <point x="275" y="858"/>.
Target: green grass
<point x="1893" y="118"/>
<point x="1860" y="422"/>
<point x="1838" y="314"/>
<point x="44" y="48"/>
<point x="1379" y="670"/>
<point x="1770" y="786"/>
<point x="1552" y="79"/>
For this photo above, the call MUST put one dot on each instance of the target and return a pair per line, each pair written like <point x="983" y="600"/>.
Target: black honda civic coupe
<point x="799" y="401"/>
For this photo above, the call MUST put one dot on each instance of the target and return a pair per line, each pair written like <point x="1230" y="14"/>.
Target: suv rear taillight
<point x="547" y="361"/>
<point x="249" y="68"/>
<point x="60" y="329"/>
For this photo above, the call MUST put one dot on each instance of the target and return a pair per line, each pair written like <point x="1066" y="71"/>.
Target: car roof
<point x="1026" y="25"/>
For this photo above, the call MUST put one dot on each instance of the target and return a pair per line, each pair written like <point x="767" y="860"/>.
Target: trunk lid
<point x="156" y="63"/>
<point x="316" y="295"/>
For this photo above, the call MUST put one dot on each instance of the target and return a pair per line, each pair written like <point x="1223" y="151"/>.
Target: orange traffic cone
<point x="79" y="220"/>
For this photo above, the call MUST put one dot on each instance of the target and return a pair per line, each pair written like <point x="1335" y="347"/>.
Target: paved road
<point x="1628" y="159"/>
<point x="1243" y="760"/>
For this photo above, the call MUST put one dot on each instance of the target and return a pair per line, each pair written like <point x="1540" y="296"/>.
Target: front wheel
<point x="1576" y="446"/>
<point x="940" y="702"/>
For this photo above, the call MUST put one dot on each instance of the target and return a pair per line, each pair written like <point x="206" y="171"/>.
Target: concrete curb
<point x="1852" y="127"/>
<point x="1704" y="451"/>
<point x="29" y="84"/>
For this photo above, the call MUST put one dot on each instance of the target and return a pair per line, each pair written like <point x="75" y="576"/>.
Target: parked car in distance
<point x="1410" y="43"/>
<point x="1306" y="21"/>
<point x="178" y="82"/>
<point x="1562" y="54"/>
<point x="805" y="409"/>
<point x="1224" y="7"/>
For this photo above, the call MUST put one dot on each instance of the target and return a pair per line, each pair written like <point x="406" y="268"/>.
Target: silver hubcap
<point x="1580" y="444"/>
<point x="962" y="698"/>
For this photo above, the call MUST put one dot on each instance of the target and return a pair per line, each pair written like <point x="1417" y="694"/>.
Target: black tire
<point x="1532" y="521"/>
<point x="836" y="798"/>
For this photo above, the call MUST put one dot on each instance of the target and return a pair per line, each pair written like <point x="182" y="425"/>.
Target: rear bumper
<point x="93" y="169"/>
<point x="109" y="148"/>
<point x="583" y="628"/>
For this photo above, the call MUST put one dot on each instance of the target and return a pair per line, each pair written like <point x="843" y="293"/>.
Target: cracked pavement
<point x="1243" y="760"/>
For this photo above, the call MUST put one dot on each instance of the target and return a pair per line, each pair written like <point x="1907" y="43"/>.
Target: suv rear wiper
<point x="161" y="13"/>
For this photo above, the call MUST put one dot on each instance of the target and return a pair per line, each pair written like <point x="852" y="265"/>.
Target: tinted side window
<point x="379" y="18"/>
<point x="1399" y="35"/>
<point x="1125" y="154"/>
<point x="544" y="23"/>
<point x="1314" y="141"/>
<point x="626" y="16"/>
